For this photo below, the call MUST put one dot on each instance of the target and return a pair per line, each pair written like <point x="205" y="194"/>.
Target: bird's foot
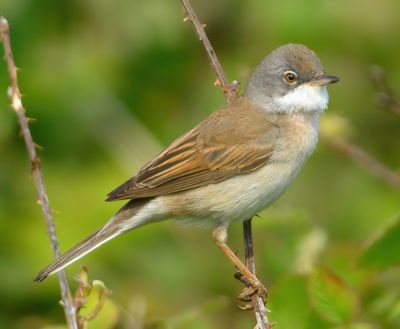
<point x="252" y="288"/>
<point x="248" y="293"/>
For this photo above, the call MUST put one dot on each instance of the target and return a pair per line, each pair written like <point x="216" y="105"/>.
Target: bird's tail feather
<point x="91" y="242"/>
<point x="113" y="228"/>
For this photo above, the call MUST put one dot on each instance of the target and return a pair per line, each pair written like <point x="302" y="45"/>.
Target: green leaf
<point x="331" y="298"/>
<point x="384" y="251"/>
<point x="288" y="303"/>
<point x="107" y="318"/>
<point x="316" y="322"/>
<point x="96" y="311"/>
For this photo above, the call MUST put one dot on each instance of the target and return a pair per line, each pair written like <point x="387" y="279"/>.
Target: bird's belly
<point x="237" y="198"/>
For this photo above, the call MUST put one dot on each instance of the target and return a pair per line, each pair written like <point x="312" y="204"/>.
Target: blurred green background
<point x="112" y="82"/>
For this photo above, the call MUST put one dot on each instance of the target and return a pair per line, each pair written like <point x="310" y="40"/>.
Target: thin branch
<point x="257" y="302"/>
<point x="385" y="95"/>
<point x="16" y="104"/>
<point x="229" y="90"/>
<point x="368" y="161"/>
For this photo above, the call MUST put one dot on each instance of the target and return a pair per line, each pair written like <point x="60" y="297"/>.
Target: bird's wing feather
<point x="200" y="158"/>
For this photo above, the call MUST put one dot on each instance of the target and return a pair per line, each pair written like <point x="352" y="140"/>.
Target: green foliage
<point x="94" y="306"/>
<point x="331" y="297"/>
<point x="288" y="300"/>
<point x="358" y="326"/>
<point x="384" y="251"/>
<point x="111" y="82"/>
<point x="192" y="318"/>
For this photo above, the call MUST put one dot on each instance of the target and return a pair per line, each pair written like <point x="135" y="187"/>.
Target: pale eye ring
<point x="290" y="76"/>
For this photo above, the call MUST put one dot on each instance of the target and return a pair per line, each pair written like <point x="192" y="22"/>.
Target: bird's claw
<point x="247" y="293"/>
<point x="251" y="289"/>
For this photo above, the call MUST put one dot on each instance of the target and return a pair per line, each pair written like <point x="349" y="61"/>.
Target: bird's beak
<point x="323" y="80"/>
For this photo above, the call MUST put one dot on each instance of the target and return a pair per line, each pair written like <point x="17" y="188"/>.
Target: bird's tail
<point x="123" y="221"/>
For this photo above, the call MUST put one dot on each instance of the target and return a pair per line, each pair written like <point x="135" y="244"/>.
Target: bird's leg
<point x="220" y="236"/>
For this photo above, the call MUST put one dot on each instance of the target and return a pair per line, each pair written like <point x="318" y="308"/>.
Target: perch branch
<point x="230" y="91"/>
<point x="257" y="302"/>
<point x="16" y="104"/>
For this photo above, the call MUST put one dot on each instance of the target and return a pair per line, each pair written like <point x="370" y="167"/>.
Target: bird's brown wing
<point x="210" y="153"/>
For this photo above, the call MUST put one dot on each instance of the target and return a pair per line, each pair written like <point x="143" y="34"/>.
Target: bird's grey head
<point x="290" y="79"/>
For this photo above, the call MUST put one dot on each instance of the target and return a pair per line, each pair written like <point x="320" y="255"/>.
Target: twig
<point x="362" y="157"/>
<point x="257" y="302"/>
<point x="16" y="104"/>
<point x="229" y="90"/>
<point x="385" y="95"/>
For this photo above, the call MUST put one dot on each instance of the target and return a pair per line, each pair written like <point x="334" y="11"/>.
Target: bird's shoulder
<point x="239" y="123"/>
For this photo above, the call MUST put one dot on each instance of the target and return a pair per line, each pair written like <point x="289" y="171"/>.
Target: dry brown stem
<point x="43" y="200"/>
<point x="230" y="91"/>
<point x="366" y="160"/>
<point x="257" y="302"/>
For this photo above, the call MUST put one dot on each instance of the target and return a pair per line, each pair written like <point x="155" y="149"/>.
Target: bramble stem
<point x="230" y="91"/>
<point x="257" y="302"/>
<point x="43" y="200"/>
<point x="222" y="81"/>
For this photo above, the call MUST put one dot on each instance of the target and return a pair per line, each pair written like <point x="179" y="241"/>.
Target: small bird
<point x="233" y="164"/>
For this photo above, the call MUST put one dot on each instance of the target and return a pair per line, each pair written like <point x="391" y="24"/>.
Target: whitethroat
<point x="231" y="165"/>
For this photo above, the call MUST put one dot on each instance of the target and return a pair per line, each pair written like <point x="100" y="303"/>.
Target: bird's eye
<point x="290" y="76"/>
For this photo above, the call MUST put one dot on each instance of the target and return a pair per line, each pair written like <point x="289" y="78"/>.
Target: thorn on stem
<point x="38" y="147"/>
<point x="35" y="163"/>
<point x="3" y="25"/>
<point x="219" y="84"/>
<point x="16" y="101"/>
<point x="31" y="120"/>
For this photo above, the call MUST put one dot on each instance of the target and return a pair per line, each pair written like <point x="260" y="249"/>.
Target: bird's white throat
<point x="305" y="98"/>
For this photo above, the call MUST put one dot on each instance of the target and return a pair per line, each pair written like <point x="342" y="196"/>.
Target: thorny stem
<point x="256" y="301"/>
<point x="230" y="92"/>
<point x="386" y="98"/>
<point x="16" y="104"/>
